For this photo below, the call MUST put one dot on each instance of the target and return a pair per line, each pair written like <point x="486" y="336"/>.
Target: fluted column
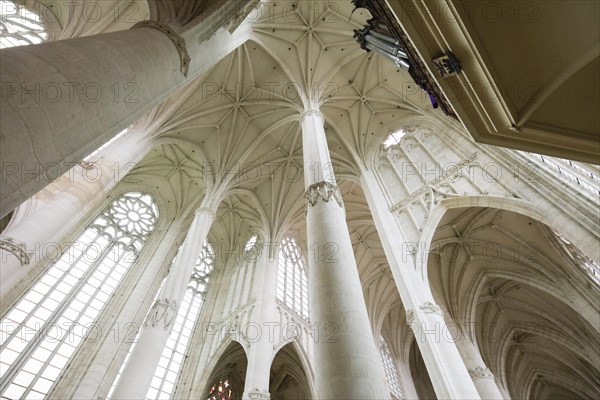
<point x="448" y="373"/>
<point x="138" y="373"/>
<point x="347" y="363"/>
<point x="260" y="354"/>
<point x="62" y="100"/>
<point x="482" y="377"/>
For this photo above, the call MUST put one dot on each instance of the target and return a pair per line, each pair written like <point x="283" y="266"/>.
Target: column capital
<point x="311" y="113"/>
<point x="205" y="210"/>
<point x="481" y="373"/>
<point x="257" y="394"/>
<point x="326" y="191"/>
<point x="163" y="310"/>
<point x="174" y="37"/>
<point x="427" y="308"/>
<point x="431" y="308"/>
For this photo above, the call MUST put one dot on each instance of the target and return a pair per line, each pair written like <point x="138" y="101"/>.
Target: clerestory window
<point x="169" y="365"/>
<point x="390" y="369"/>
<point x="393" y="138"/>
<point x="19" y="26"/>
<point x="39" y="336"/>
<point x="292" y="282"/>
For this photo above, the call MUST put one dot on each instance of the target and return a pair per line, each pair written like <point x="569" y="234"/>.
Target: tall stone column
<point x="448" y="373"/>
<point x="483" y="378"/>
<point x="260" y="354"/>
<point x="62" y="205"/>
<point x="346" y="360"/>
<point x="62" y="100"/>
<point x="137" y="375"/>
<point x="408" y="386"/>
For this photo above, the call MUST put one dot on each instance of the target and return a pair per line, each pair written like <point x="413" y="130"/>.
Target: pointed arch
<point x="230" y="364"/>
<point x="59" y="311"/>
<point x="558" y="222"/>
<point x="290" y="371"/>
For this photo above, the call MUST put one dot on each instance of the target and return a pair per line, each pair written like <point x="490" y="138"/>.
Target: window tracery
<point x="204" y="268"/>
<point x="574" y="171"/>
<point x="252" y="248"/>
<point x="292" y="282"/>
<point x="42" y="332"/>
<point x="393" y="138"/>
<point x="19" y="26"/>
<point x="173" y="355"/>
<point x="390" y="369"/>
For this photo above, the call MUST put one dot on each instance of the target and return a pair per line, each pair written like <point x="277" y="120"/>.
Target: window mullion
<point x="26" y="353"/>
<point x="72" y="292"/>
<point x="189" y="311"/>
<point x="45" y="296"/>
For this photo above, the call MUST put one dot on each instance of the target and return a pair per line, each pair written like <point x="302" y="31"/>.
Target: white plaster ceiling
<point x="506" y="279"/>
<point x="240" y="121"/>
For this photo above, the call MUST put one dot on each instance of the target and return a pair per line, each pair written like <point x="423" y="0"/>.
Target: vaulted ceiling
<point x="234" y="133"/>
<point x="522" y="297"/>
<point x="239" y="123"/>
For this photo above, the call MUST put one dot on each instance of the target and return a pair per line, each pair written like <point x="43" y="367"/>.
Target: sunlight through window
<point x="292" y="283"/>
<point x="390" y="369"/>
<point x="19" y="26"/>
<point x="173" y="355"/>
<point x="42" y="332"/>
<point x="393" y="138"/>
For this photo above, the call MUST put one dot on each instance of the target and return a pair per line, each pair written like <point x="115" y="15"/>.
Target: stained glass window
<point x="41" y="333"/>
<point x="390" y="369"/>
<point x="165" y="375"/>
<point x="292" y="283"/>
<point x="221" y="391"/>
<point x="19" y="26"/>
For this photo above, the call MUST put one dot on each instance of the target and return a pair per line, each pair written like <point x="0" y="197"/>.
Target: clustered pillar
<point x="483" y="378"/>
<point x="448" y="373"/>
